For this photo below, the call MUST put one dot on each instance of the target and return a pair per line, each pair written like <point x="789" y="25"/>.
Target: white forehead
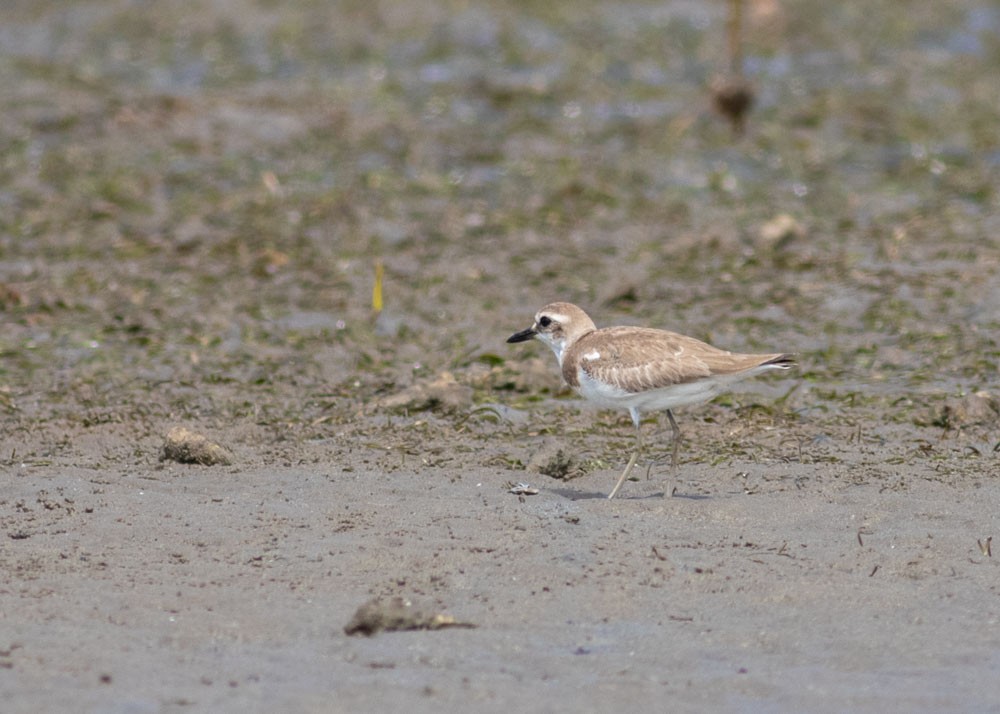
<point x="559" y="317"/>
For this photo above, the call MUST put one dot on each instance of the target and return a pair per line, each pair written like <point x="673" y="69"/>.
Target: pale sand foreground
<point x="227" y="590"/>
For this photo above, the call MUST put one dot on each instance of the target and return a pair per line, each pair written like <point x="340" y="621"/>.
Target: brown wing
<point x="638" y="359"/>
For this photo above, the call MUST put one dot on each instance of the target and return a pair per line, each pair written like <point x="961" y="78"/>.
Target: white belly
<point x="677" y="395"/>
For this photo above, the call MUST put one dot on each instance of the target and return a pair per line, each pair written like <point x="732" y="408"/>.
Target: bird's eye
<point x="545" y="321"/>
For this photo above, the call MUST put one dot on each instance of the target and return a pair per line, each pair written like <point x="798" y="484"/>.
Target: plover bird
<point x="639" y="368"/>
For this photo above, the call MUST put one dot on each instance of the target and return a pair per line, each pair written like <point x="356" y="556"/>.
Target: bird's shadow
<point x="575" y="495"/>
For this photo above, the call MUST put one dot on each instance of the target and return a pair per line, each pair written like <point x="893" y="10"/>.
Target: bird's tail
<point x="785" y="361"/>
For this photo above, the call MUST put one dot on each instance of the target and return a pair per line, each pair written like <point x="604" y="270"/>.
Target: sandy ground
<point x="755" y="588"/>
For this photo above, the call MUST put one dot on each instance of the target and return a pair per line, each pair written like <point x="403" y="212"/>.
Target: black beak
<point x="523" y="335"/>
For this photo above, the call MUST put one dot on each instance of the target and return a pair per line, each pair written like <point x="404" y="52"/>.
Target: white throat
<point x="558" y="346"/>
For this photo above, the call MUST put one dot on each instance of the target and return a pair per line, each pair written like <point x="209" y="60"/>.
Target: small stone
<point x="188" y="447"/>
<point x="551" y="460"/>
<point x="441" y="393"/>
<point x="732" y="97"/>
<point x="979" y="408"/>
<point x="397" y="613"/>
<point x="781" y="230"/>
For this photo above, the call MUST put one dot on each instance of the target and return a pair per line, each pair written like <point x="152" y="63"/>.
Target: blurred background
<point x="196" y="197"/>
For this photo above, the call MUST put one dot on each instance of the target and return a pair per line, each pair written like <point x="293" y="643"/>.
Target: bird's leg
<point x="673" y="461"/>
<point x="635" y="455"/>
<point x="676" y="439"/>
